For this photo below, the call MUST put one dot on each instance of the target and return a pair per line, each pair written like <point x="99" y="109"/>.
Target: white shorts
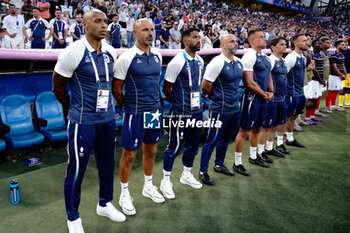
<point x="12" y="44"/>
<point x="335" y="83"/>
<point x="313" y="90"/>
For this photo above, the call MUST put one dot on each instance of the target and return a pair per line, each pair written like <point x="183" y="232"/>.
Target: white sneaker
<point x="151" y="192"/>
<point x="167" y="189"/>
<point x="111" y="212"/>
<point x="190" y="180"/>
<point x="75" y="226"/>
<point x="125" y="201"/>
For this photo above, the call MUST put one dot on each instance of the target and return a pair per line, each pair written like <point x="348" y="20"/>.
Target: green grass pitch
<point x="309" y="191"/>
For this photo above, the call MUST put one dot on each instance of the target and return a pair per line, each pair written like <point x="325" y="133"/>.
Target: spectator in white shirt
<point x="123" y="14"/>
<point x="14" y="23"/>
<point x="129" y="27"/>
<point x="223" y="31"/>
<point x="88" y="7"/>
<point x="148" y="17"/>
<point x="175" y="35"/>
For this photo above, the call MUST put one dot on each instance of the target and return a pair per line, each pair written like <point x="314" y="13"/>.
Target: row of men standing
<point x="93" y="73"/>
<point x="17" y="34"/>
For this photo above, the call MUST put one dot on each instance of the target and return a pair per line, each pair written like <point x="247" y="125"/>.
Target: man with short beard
<point x="38" y="27"/>
<point x="295" y="98"/>
<point x="346" y="88"/>
<point x="13" y="24"/>
<point x="221" y="82"/>
<point x="182" y="88"/>
<point x="77" y="31"/>
<point x="88" y="65"/>
<point x="326" y="44"/>
<point x="60" y="31"/>
<point x="138" y="71"/>
<point x="313" y="88"/>
<point x="336" y="77"/>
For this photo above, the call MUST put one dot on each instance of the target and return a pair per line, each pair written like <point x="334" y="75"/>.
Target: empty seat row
<point x="19" y="129"/>
<point x="16" y="116"/>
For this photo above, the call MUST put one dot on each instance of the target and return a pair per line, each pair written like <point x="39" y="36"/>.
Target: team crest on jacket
<point x="106" y="58"/>
<point x="87" y="59"/>
<point x="138" y="61"/>
<point x="227" y="67"/>
<point x="156" y="59"/>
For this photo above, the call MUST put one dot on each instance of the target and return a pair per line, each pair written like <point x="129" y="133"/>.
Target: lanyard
<point x="189" y="70"/>
<point x="80" y="30"/>
<point x="116" y="26"/>
<point x="58" y="26"/>
<point x="36" y="25"/>
<point x="105" y="59"/>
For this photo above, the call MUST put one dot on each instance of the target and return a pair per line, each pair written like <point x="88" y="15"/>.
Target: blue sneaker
<point x="310" y="122"/>
<point x="316" y="120"/>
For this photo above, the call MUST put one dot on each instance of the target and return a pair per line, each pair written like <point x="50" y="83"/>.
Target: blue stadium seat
<point x="16" y="113"/>
<point x="2" y="145"/>
<point x="3" y="129"/>
<point x="48" y="108"/>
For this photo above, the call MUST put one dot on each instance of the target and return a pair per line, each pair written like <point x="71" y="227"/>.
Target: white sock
<point x="166" y="175"/>
<point x="269" y="145"/>
<point x="238" y="158"/>
<point x="261" y="148"/>
<point x="148" y="181"/>
<point x="290" y="137"/>
<point x="279" y="140"/>
<point x="252" y="152"/>
<point x="187" y="170"/>
<point x="124" y="187"/>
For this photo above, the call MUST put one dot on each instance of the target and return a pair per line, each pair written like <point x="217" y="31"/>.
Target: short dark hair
<point x="36" y="8"/>
<point x="58" y="9"/>
<point x="2" y="30"/>
<point x="274" y="41"/>
<point x="315" y="41"/>
<point x="338" y="42"/>
<point x="294" y="38"/>
<point x="188" y="32"/>
<point x="254" y="30"/>
<point x="12" y="5"/>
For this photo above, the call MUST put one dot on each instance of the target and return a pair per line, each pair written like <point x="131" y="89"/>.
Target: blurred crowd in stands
<point x="214" y="19"/>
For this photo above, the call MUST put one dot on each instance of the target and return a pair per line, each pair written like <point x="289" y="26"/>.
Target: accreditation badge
<point x="60" y="35"/>
<point x="102" y="100"/>
<point x="195" y="100"/>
